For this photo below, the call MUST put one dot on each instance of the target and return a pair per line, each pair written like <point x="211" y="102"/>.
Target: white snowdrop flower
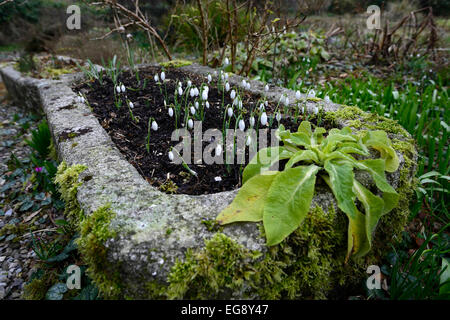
<point x="244" y="83"/>
<point x="206" y="88"/>
<point x="230" y="112"/>
<point x="209" y="78"/>
<point x="180" y="91"/>
<point x="226" y="62"/>
<point x="189" y="83"/>
<point x="196" y="91"/>
<point x="161" y="261"/>
<point x="156" y="78"/>
<point x="163" y="76"/>
<point x="286" y="101"/>
<point x="122" y="87"/>
<point x="248" y="141"/>
<point x="179" y="84"/>
<point x="282" y="99"/>
<point x="261" y="106"/>
<point x="395" y="94"/>
<point x="196" y="105"/>
<point x="215" y="73"/>
<point x="226" y="76"/>
<point x="170" y="112"/>
<point x="121" y="29"/>
<point x="192" y="92"/>
<point x="266" y="103"/>
<point x="218" y="150"/>
<point x="118" y="89"/>
<point x="170" y="155"/>
<point x="233" y="94"/>
<point x="278" y="116"/>
<point x="217" y="179"/>
<point x="207" y="104"/>
<point x="263" y="119"/>
<point x="192" y="110"/>
<point x="227" y="87"/>
<point x="205" y="95"/>
<point x="311" y="93"/>
<point x="266" y="88"/>
<point x="154" y="126"/>
<point x="252" y="121"/>
<point x="154" y="273"/>
<point x="241" y="125"/>
<point x="131" y="105"/>
<point x="297" y="95"/>
<point x="316" y="110"/>
<point x="327" y="99"/>
<point x="248" y="86"/>
<point x="190" y="123"/>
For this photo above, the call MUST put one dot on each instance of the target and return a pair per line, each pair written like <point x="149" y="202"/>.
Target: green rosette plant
<point x="282" y="199"/>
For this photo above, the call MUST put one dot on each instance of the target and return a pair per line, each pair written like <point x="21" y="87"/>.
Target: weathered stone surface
<point x="154" y="229"/>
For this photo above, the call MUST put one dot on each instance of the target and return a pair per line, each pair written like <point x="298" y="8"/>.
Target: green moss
<point x="35" y="290"/>
<point x="94" y="231"/>
<point x="301" y="267"/>
<point x="67" y="181"/>
<point x="175" y="63"/>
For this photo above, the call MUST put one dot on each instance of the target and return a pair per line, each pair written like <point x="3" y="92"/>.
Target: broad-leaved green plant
<point x="281" y="199"/>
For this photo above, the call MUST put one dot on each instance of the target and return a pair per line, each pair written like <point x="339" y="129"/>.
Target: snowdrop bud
<point x="154" y="126"/>
<point x="297" y="95"/>
<point x="205" y="95"/>
<point x="122" y="87"/>
<point x="163" y="76"/>
<point x="209" y="78"/>
<point x="190" y="123"/>
<point x="118" y="89"/>
<point x="180" y="91"/>
<point x="263" y="119"/>
<point x="266" y="88"/>
<point x="218" y="150"/>
<point x="252" y="121"/>
<point x="395" y="94"/>
<point x="196" y="104"/>
<point x="227" y="62"/>
<point x="316" y="110"/>
<point x="227" y="87"/>
<point x="170" y="112"/>
<point x="230" y="112"/>
<point x="189" y="83"/>
<point x="207" y="104"/>
<point x="286" y="101"/>
<point x="244" y="83"/>
<point x="278" y="116"/>
<point x="241" y="125"/>
<point x="156" y="77"/>
<point x="233" y="94"/>
<point x="248" y="85"/>
<point x="131" y="105"/>
<point x="192" y="110"/>
<point x="248" y="141"/>
<point x="170" y="155"/>
<point x="179" y="84"/>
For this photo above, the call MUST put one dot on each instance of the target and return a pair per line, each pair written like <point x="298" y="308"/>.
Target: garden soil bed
<point x="148" y="100"/>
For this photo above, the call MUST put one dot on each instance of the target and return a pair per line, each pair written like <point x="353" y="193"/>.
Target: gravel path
<point x="16" y="255"/>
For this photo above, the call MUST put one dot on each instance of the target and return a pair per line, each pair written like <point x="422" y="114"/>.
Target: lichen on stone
<point x="177" y="63"/>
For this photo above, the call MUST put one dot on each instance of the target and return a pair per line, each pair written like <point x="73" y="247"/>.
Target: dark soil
<point x="130" y="136"/>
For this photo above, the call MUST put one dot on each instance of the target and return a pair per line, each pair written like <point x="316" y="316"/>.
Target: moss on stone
<point x="67" y="180"/>
<point x="35" y="290"/>
<point x="94" y="232"/>
<point x="177" y="63"/>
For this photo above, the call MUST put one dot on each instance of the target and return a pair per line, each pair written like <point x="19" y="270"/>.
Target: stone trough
<point x="142" y="243"/>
